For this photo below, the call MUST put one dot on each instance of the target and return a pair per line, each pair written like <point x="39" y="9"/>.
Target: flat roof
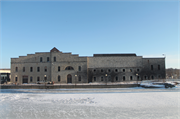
<point x="113" y="55"/>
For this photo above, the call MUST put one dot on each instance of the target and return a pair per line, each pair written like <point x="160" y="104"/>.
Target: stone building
<point x="68" y="68"/>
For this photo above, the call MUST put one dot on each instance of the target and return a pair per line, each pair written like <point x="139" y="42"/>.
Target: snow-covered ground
<point x="124" y="103"/>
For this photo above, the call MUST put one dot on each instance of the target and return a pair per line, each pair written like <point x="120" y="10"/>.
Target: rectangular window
<point x="31" y="79"/>
<point x="151" y="67"/>
<point x="124" y="78"/>
<point x="79" y="68"/>
<point x="41" y="59"/>
<point x="101" y="78"/>
<point x="47" y="59"/>
<point x="131" y="78"/>
<point x="23" y="69"/>
<point x="137" y="70"/>
<point x="54" y="59"/>
<point x="158" y="67"/>
<point x="94" y="78"/>
<point x="45" y="69"/>
<point x="16" y="79"/>
<point x="16" y="69"/>
<point x="38" y="69"/>
<point x="137" y="77"/>
<point x="116" y="78"/>
<point x="124" y="70"/>
<point x="31" y="69"/>
<point x="59" y="68"/>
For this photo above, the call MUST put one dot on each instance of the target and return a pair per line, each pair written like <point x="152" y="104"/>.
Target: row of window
<point x="45" y="69"/>
<point x="116" y="70"/>
<point x="152" y="67"/>
<point x="41" y="59"/>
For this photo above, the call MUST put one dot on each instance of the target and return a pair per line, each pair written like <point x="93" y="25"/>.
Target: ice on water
<point x="136" y="103"/>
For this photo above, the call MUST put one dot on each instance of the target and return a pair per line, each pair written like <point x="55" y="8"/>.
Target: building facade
<point x="68" y="68"/>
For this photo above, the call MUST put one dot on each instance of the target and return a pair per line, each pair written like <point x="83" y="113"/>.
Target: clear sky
<point x="148" y="28"/>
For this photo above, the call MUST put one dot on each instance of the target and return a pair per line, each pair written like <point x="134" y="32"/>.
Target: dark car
<point x="169" y="85"/>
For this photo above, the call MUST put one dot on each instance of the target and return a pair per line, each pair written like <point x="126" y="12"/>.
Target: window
<point x="23" y="69"/>
<point x="79" y="68"/>
<point x="16" y="78"/>
<point x="41" y="59"/>
<point x="131" y="70"/>
<point x="45" y="77"/>
<point x="31" y="69"/>
<point x="116" y="70"/>
<point x="152" y="77"/>
<point x="59" y="68"/>
<point x="101" y="70"/>
<point x="158" y="67"/>
<point x="109" y="70"/>
<point x="47" y="59"/>
<point x="138" y="78"/>
<point x="137" y="70"/>
<point x="54" y="59"/>
<point x="59" y="78"/>
<point x="16" y="69"/>
<point x="124" y="78"/>
<point x="38" y="69"/>
<point x="151" y="67"/>
<point x="116" y="78"/>
<point x="102" y="78"/>
<point x="31" y="79"/>
<point x="38" y="78"/>
<point x="124" y="70"/>
<point x="94" y="78"/>
<point x="109" y="78"/>
<point x="131" y="78"/>
<point x="45" y="69"/>
<point x="69" y="68"/>
<point x="145" y="77"/>
<point x="79" y="78"/>
<point x="94" y="70"/>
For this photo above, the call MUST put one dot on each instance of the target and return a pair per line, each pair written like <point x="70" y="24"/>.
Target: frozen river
<point x="123" y="103"/>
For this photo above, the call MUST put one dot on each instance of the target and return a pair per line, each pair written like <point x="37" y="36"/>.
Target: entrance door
<point x="69" y="78"/>
<point x="25" y="79"/>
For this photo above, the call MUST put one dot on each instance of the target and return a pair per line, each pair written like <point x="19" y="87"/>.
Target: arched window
<point x="124" y="78"/>
<point x="79" y="78"/>
<point x="54" y="59"/>
<point x="69" y="68"/>
<point x="59" y="78"/>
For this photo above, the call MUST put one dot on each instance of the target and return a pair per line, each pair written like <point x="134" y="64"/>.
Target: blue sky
<point x="147" y="28"/>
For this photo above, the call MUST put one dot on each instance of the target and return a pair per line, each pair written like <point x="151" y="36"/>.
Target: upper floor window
<point x="151" y="67"/>
<point x="102" y="70"/>
<point x="45" y="69"/>
<point x="158" y="67"/>
<point x="16" y="78"/>
<point x="31" y="69"/>
<point x="124" y="70"/>
<point x="137" y="70"/>
<point x="69" y="68"/>
<point x="79" y="78"/>
<point x="54" y="59"/>
<point x="41" y="59"/>
<point x="59" y="68"/>
<point x="23" y="69"/>
<point x="16" y="69"/>
<point x="131" y="78"/>
<point x="131" y="70"/>
<point x="124" y="78"/>
<point x="47" y="59"/>
<point x="94" y="78"/>
<point x="94" y="70"/>
<point x="38" y="69"/>
<point x="102" y="78"/>
<point x="116" y="70"/>
<point x="116" y="78"/>
<point x="79" y="68"/>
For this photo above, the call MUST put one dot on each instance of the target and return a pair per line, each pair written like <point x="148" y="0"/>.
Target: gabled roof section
<point x="54" y="50"/>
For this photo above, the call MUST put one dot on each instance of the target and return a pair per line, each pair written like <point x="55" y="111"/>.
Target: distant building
<point x="68" y="68"/>
<point x="5" y="74"/>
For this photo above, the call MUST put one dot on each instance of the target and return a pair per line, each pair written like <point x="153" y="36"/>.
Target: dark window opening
<point x="94" y="78"/>
<point x="131" y="78"/>
<point x="41" y="59"/>
<point x="102" y="79"/>
<point x="152" y="77"/>
<point x="23" y="69"/>
<point x="116" y="70"/>
<point x="116" y="78"/>
<point x="31" y="79"/>
<point x="124" y="78"/>
<point x="45" y="69"/>
<point x="38" y="69"/>
<point x="151" y="67"/>
<point x="59" y="68"/>
<point x="94" y="70"/>
<point x="54" y="59"/>
<point x="124" y="70"/>
<point x="47" y="59"/>
<point x="79" y="68"/>
<point x="16" y="79"/>
<point x="45" y="78"/>
<point x="79" y="78"/>
<point x="145" y="77"/>
<point x="69" y="68"/>
<point x="59" y="78"/>
<point x="101" y="70"/>
<point x="130" y="70"/>
<point x="137" y="77"/>
<point x="109" y="78"/>
<point x="158" y="67"/>
<point x="137" y="70"/>
<point x="38" y="79"/>
<point x="16" y="69"/>
<point x="109" y="70"/>
<point x="31" y="69"/>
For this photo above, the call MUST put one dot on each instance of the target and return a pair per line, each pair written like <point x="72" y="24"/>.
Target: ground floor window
<point x="79" y="78"/>
<point x="102" y="78"/>
<point x="31" y="79"/>
<point x="59" y="78"/>
<point x="124" y="78"/>
<point x="94" y="78"/>
<point x="16" y="78"/>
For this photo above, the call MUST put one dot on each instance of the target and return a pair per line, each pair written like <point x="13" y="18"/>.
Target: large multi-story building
<point x="68" y="68"/>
